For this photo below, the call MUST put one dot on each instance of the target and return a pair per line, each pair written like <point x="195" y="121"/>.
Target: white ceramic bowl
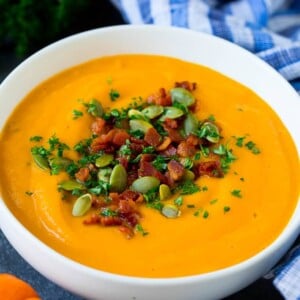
<point x="180" y="43"/>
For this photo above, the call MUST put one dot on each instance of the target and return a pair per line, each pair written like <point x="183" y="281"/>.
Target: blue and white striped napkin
<point x="268" y="28"/>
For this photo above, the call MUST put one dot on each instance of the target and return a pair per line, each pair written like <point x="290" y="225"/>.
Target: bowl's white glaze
<point x="191" y="46"/>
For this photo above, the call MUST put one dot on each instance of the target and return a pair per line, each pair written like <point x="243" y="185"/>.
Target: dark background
<point x="22" y="39"/>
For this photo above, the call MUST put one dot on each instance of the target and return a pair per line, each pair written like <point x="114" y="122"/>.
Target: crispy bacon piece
<point x="190" y="86"/>
<point x="171" y="123"/>
<point x="123" y="161"/>
<point x="127" y="207"/>
<point x="120" y="136"/>
<point x="186" y="150"/>
<point x="193" y="140"/>
<point x="98" y="126"/>
<point x="110" y="220"/>
<point x="92" y="220"/>
<point x="128" y="232"/>
<point x="152" y="137"/>
<point x="160" y="98"/>
<point x="170" y="151"/>
<point x="175" y="169"/>
<point x="83" y="174"/>
<point x="210" y="168"/>
<point x="147" y="169"/>
<point x="173" y="134"/>
<point x="129" y="195"/>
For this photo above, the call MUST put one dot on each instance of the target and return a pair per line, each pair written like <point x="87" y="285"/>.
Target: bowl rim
<point x="283" y="237"/>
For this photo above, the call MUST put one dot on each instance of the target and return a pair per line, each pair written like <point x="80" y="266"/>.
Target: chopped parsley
<point x="114" y="95"/>
<point x="35" y="138"/>
<point x="236" y="193"/>
<point x="77" y="114"/>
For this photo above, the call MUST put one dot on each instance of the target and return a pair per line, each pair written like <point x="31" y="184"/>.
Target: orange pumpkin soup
<point x="228" y="220"/>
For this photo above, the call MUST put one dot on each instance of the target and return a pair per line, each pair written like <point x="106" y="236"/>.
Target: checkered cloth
<point x="268" y="28"/>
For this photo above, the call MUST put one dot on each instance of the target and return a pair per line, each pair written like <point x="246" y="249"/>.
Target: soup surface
<point x="259" y="192"/>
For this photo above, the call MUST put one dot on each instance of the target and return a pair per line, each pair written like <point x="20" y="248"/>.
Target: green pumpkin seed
<point x="135" y="114"/>
<point x="60" y="162"/>
<point x="139" y="125"/>
<point x="104" y="174"/>
<point x="171" y="113"/>
<point x="210" y="132"/>
<point x="153" y="111"/>
<point x="188" y="175"/>
<point x="144" y="184"/>
<point x="182" y="96"/>
<point x="118" y="179"/>
<point x="82" y="205"/>
<point x="95" y="108"/>
<point x="170" y="211"/>
<point x="190" y="124"/>
<point x="104" y="160"/>
<point x="164" y="192"/>
<point x="70" y="185"/>
<point x="41" y="161"/>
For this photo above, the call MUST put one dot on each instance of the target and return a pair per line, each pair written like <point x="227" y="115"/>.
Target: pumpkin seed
<point x="190" y="124"/>
<point x="188" y="175"/>
<point x="118" y="179"/>
<point x="41" y="161"/>
<point x="139" y="125"/>
<point x="60" y="162"/>
<point x="70" y="185"/>
<point x="170" y="211"/>
<point x="104" y="160"/>
<point x="210" y="132"/>
<point x="135" y="114"/>
<point x="171" y="113"/>
<point x="104" y="174"/>
<point x="144" y="184"/>
<point x="82" y="205"/>
<point x="164" y="192"/>
<point x="182" y="96"/>
<point x="95" y="108"/>
<point x="153" y="111"/>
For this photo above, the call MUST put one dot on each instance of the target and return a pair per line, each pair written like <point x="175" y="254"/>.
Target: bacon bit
<point x="129" y="195"/>
<point x="98" y="126"/>
<point x="193" y="140"/>
<point x="164" y="145"/>
<point x="186" y="150"/>
<point x="97" y="203"/>
<point x="110" y="220"/>
<point x="190" y="86"/>
<point x="92" y="220"/>
<point x="140" y="199"/>
<point x="152" y="137"/>
<point x="174" y="135"/>
<point x="114" y="197"/>
<point x="176" y="170"/>
<point x="83" y="174"/>
<point x="146" y="157"/>
<point x="120" y="136"/>
<point x="211" y="169"/>
<point x="131" y="177"/>
<point x="132" y="219"/>
<point x="128" y="232"/>
<point x="160" y="98"/>
<point x="127" y="206"/>
<point x="136" y="148"/>
<point x="170" y="151"/>
<point x="170" y="181"/>
<point x="171" y="123"/>
<point x="147" y="169"/>
<point x="123" y="161"/>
